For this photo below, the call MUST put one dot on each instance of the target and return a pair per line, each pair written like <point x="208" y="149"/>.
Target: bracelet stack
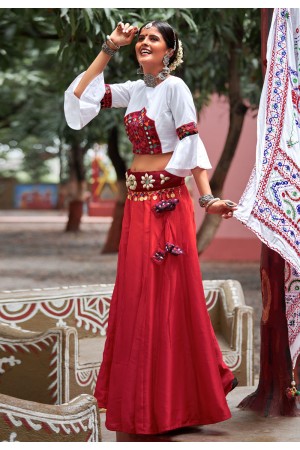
<point x="115" y="46"/>
<point x="207" y="200"/>
<point x="213" y="200"/>
<point x="107" y="49"/>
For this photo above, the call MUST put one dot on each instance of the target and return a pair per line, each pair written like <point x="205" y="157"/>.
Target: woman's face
<point x="150" y="50"/>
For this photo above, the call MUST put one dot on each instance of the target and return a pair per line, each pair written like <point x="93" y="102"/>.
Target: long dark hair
<point x="168" y="33"/>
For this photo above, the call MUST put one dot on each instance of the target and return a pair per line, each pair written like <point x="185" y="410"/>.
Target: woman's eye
<point x="152" y="38"/>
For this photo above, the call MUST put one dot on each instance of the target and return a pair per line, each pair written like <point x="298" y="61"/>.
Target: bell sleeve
<point x="97" y="95"/>
<point x="189" y="151"/>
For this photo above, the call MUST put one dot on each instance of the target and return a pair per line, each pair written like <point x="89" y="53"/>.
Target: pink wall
<point x="233" y="240"/>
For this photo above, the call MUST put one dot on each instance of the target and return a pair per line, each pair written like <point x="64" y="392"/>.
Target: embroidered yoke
<point x="157" y="120"/>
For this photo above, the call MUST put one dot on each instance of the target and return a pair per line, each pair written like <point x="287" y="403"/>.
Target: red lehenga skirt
<point x="162" y="367"/>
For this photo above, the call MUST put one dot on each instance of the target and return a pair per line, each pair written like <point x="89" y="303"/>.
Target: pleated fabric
<point x="162" y="366"/>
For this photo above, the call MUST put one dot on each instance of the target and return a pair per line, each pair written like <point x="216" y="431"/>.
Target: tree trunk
<point x="275" y="358"/>
<point x="75" y="214"/>
<point x="113" y="237"/>
<point x="237" y="113"/>
<point x="77" y="188"/>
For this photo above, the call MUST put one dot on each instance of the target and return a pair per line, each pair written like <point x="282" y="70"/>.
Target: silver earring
<point x="140" y="71"/>
<point x="166" y="61"/>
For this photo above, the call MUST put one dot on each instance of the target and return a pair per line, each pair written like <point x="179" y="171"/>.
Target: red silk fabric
<point x="162" y="367"/>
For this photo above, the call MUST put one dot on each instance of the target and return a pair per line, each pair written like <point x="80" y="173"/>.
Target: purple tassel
<point x="173" y="249"/>
<point x="158" y="256"/>
<point x="165" y="205"/>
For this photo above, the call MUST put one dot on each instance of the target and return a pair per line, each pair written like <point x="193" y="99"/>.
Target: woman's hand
<point x="123" y="34"/>
<point x="223" y="207"/>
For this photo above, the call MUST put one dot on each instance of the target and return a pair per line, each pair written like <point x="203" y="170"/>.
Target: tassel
<point x="165" y="205"/>
<point x="292" y="391"/>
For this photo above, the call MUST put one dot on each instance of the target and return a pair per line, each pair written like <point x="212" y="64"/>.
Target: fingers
<point x="227" y="211"/>
<point x="227" y="215"/>
<point x="132" y="29"/>
<point x="124" y="34"/>
<point x="126" y="28"/>
<point x="229" y="208"/>
<point x="225" y="208"/>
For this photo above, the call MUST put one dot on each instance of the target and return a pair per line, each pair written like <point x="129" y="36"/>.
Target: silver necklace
<point x="153" y="80"/>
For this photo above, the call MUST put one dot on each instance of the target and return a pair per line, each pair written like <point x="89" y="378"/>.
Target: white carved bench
<point x="86" y="309"/>
<point x="27" y="421"/>
<point x="45" y="367"/>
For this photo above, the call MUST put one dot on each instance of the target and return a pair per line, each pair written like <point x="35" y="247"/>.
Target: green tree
<point x="28" y="116"/>
<point x="228" y="63"/>
<point x="221" y="55"/>
<point x="34" y="75"/>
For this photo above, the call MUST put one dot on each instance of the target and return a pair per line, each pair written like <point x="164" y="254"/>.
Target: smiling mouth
<point x="145" y="52"/>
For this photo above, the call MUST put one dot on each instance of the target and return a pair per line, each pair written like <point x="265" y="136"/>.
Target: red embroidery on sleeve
<point x="187" y="130"/>
<point x="107" y="99"/>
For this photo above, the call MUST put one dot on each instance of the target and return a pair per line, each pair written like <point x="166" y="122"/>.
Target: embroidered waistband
<point x="151" y="181"/>
<point x="161" y="194"/>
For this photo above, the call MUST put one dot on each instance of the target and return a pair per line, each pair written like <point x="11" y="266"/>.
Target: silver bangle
<point x="106" y="49"/>
<point x="117" y="47"/>
<point x="211" y="202"/>
<point x="205" y="199"/>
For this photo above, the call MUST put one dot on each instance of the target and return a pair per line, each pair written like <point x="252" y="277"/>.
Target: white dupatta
<point x="270" y="205"/>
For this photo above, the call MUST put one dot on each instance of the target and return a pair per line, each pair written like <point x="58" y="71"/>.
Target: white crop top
<point x="157" y="120"/>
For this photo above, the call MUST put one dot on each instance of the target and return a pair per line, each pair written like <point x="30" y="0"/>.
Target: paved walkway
<point x="244" y="426"/>
<point x="16" y="216"/>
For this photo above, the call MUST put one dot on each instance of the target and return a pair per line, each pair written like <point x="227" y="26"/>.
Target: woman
<point x="162" y="367"/>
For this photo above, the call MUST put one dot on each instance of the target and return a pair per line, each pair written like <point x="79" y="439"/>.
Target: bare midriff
<point x="142" y="163"/>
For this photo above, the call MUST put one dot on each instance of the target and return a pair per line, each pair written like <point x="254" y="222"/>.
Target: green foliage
<point x="207" y="57"/>
<point x="42" y="50"/>
<point x="25" y="89"/>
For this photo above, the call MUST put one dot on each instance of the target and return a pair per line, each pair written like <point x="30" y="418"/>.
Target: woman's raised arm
<point x="121" y="36"/>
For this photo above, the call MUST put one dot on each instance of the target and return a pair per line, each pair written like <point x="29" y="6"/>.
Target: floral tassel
<point x="173" y="249"/>
<point x="165" y="205"/>
<point x="159" y="256"/>
<point x="292" y="391"/>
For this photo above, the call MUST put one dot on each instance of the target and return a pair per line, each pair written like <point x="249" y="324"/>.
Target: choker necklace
<point x="152" y="80"/>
